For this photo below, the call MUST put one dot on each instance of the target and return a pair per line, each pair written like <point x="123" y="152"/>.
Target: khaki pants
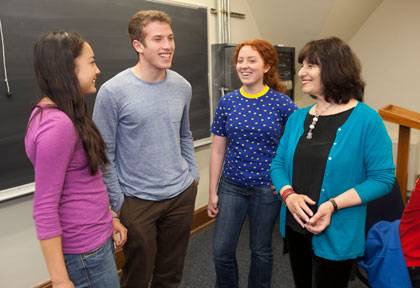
<point x="158" y="234"/>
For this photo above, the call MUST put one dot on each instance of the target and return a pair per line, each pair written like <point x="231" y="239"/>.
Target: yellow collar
<point x="255" y="95"/>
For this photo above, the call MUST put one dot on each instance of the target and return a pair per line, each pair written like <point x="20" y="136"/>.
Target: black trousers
<point x="310" y="271"/>
<point x="157" y="240"/>
<point x="415" y="276"/>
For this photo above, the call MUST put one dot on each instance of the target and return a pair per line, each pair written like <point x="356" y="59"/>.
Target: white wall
<point x="21" y="262"/>
<point x="21" y="259"/>
<point x="389" y="49"/>
<point x="346" y="17"/>
<point x="388" y="46"/>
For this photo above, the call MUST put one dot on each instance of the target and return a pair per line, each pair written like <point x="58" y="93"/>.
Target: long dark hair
<point x="340" y="69"/>
<point x="269" y="56"/>
<point x="54" y="56"/>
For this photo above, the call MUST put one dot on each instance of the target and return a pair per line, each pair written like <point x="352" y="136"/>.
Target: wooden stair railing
<point x="406" y="119"/>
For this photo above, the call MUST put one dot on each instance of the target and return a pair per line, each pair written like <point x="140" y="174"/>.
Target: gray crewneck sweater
<point x="147" y="133"/>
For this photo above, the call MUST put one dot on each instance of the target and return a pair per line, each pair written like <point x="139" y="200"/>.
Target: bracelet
<point x="286" y="193"/>
<point x="334" y="204"/>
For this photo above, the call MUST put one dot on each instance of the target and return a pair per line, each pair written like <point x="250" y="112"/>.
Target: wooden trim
<point x="400" y="116"/>
<point x="44" y="285"/>
<point x="402" y="160"/>
<point x="200" y="221"/>
<point x="406" y="119"/>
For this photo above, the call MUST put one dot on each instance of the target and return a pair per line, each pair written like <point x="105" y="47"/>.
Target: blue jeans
<point x="262" y="208"/>
<point x="93" y="269"/>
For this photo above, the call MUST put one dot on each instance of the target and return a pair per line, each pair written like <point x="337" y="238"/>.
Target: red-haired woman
<point x="247" y="128"/>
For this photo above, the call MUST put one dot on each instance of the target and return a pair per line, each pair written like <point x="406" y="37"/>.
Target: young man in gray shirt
<point x="142" y="114"/>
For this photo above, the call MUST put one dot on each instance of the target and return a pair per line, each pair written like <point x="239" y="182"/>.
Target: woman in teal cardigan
<point x="334" y="157"/>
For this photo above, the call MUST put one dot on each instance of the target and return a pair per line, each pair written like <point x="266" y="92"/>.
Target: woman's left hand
<point x="322" y="218"/>
<point x="120" y="233"/>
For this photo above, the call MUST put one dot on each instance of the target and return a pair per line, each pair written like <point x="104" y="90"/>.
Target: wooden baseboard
<point x="200" y="221"/>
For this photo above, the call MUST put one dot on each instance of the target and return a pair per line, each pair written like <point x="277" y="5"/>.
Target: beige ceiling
<point x="295" y="22"/>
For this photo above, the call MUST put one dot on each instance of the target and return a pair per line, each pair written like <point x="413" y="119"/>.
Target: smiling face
<point x="86" y="70"/>
<point x="158" y="48"/>
<point x="310" y="76"/>
<point x="250" y="67"/>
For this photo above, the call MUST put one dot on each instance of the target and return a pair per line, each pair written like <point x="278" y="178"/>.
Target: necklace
<point x="315" y="120"/>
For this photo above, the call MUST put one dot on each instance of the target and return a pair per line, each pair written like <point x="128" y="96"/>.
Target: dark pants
<point x="157" y="240"/>
<point x="262" y="208"/>
<point x="415" y="276"/>
<point x="313" y="271"/>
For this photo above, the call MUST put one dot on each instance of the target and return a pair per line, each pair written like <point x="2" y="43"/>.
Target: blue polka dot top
<point x="253" y="125"/>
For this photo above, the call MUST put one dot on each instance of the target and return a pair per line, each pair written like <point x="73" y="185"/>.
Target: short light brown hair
<point x="141" y="19"/>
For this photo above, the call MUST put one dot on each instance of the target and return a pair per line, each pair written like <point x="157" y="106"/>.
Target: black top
<point x="311" y="157"/>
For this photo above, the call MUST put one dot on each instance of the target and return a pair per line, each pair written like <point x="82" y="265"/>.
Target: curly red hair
<point x="270" y="58"/>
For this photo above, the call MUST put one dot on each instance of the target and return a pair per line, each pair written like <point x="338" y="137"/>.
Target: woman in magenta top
<point x="71" y="207"/>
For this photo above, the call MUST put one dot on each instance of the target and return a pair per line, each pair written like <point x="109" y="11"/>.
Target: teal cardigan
<point x="360" y="158"/>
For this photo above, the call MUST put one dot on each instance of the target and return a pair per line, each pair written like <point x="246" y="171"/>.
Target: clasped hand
<point x="298" y="206"/>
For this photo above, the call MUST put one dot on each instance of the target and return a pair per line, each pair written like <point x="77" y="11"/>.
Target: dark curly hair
<point x="340" y="69"/>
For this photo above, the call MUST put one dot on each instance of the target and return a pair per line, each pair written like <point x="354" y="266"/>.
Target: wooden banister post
<point x="402" y="159"/>
<point x="406" y="119"/>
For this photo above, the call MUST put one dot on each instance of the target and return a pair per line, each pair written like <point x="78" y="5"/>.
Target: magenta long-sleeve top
<point x="68" y="201"/>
